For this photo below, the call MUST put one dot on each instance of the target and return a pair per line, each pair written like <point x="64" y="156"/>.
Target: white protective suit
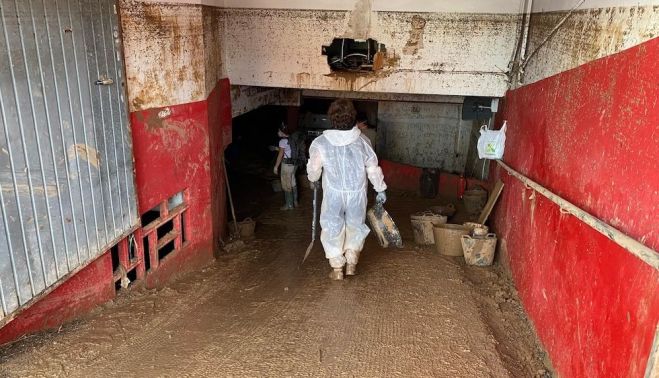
<point x="345" y="158"/>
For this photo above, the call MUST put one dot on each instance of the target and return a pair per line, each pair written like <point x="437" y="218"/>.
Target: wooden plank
<point x="491" y="201"/>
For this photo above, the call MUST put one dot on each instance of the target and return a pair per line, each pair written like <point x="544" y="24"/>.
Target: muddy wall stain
<point x="164" y="54"/>
<point x="213" y="39"/>
<point x="85" y="153"/>
<point x="585" y="36"/>
<point x="415" y="40"/>
<point x="177" y="53"/>
<point x="245" y="99"/>
<point x="281" y="48"/>
<point x="359" y="25"/>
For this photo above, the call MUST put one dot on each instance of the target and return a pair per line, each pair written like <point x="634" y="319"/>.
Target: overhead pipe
<point x="519" y="52"/>
<point x="636" y="248"/>
<point x="525" y="61"/>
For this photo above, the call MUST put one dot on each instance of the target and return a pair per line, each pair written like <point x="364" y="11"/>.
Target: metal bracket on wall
<point x="104" y="81"/>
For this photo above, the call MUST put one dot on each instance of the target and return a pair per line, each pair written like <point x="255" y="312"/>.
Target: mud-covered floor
<point x="409" y="312"/>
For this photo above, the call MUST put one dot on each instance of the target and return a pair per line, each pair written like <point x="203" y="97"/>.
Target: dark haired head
<point x="283" y="130"/>
<point x="342" y="114"/>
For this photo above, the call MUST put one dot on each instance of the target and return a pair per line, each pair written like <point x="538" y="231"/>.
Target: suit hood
<point x="342" y="137"/>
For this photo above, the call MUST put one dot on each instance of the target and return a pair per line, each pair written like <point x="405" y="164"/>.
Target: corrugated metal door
<point x="66" y="169"/>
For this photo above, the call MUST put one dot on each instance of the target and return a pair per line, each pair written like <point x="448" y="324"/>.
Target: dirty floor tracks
<point x="254" y="313"/>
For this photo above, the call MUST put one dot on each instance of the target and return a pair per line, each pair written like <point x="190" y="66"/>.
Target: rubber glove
<point x="381" y="198"/>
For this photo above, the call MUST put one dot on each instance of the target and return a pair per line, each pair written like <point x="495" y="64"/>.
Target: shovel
<point x="313" y="223"/>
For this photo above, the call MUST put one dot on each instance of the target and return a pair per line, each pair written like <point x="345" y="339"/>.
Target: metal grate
<point x="66" y="172"/>
<point x="165" y="234"/>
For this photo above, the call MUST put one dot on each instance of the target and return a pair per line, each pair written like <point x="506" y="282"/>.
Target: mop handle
<point x="313" y="220"/>
<point x="313" y="227"/>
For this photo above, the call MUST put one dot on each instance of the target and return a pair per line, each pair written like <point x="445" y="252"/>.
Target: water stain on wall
<point x="360" y="20"/>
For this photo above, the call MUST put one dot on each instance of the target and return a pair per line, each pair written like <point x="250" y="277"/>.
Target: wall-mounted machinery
<point x="346" y="54"/>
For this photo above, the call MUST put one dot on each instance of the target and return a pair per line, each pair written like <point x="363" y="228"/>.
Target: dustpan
<point x="383" y="227"/>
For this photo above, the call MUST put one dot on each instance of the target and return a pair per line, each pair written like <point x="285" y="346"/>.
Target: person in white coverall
<point x="345" y="159"/>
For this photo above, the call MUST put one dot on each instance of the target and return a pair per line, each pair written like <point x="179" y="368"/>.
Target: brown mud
<point x="408" y="312"/>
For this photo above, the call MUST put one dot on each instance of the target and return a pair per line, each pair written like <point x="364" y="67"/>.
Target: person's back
<point x="287" y="158"/>
<point x="345" y="155"/>
<point x="345" y="159"/>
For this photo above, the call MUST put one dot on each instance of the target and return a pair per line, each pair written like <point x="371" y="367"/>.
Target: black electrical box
<point x="346" y="54"/>
<point x="480" y="108"/>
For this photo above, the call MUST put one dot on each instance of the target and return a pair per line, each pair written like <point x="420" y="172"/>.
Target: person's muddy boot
<point x="336" y="274"/>
<point x="288" y="196"/>
<point x="295" y="198"/>
<point x="352" y="257"/>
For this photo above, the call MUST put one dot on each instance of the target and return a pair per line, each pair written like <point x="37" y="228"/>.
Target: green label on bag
<point x="490" y="148"/>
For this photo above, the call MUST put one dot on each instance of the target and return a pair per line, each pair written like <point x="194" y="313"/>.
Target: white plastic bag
<point x="491" y="143"/>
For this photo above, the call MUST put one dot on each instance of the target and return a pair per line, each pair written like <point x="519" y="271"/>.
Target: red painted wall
<point x="406" y="177"/>
<point x="88" y="288"/>
<point x="590" y="135"/>
<point x="179" y="148"/>
<point x="219" y="128"/>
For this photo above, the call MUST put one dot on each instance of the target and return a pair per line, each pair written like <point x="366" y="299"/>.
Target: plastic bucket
<point x="246" y="228"/>
<point x="447" y="210"/>
<point x="276" y="185"/>
<point x="479" y="250"/>
<point x="422" y="225"/>
<point x="447" y="238"/>
<point x="477" y="229"/>
<point x="474" y="200"/>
